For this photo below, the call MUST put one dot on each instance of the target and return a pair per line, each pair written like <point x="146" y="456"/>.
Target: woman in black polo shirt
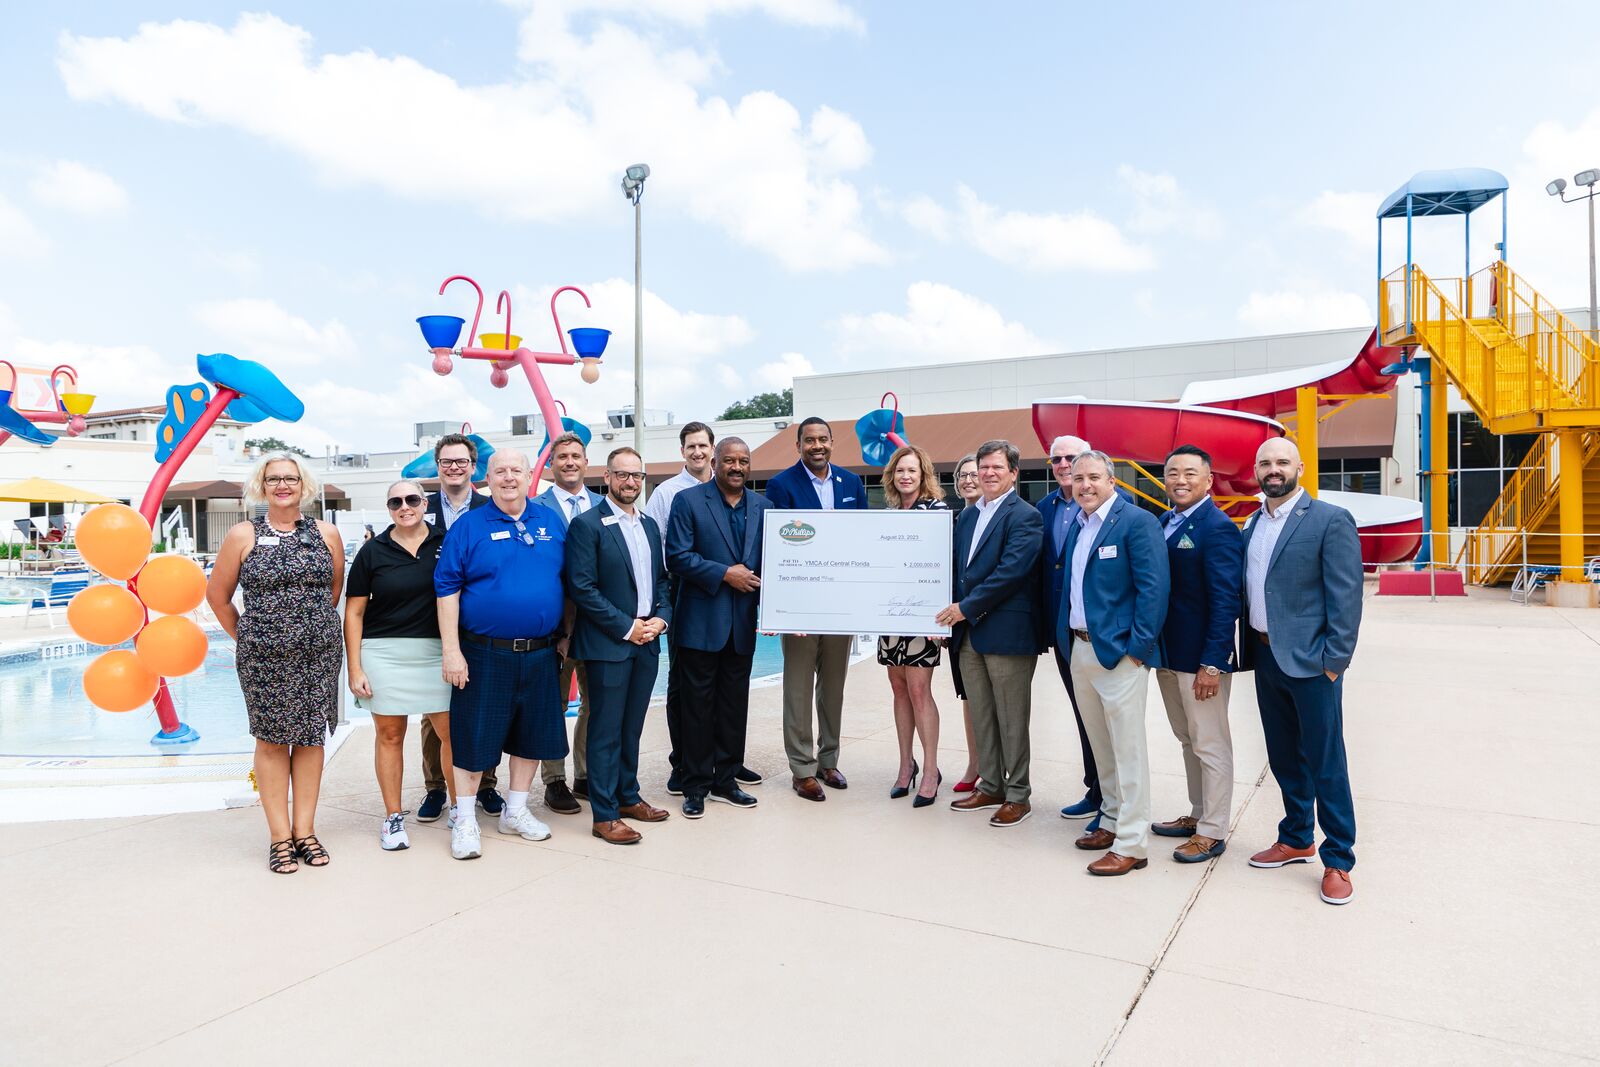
<point x="391" y="635"/>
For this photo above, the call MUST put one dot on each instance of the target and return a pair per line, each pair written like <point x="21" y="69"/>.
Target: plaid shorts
<point x="512" y="703"/>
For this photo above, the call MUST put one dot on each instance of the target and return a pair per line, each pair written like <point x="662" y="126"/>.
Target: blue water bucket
<point x="441" y="331"/>
<point x="589" y="341"/>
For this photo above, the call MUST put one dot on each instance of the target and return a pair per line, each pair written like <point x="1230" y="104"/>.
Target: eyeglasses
<point x="272" y="481"/>
<point x="1056" y="461"/>
<point x="455" y="464"/>
<point x="969" y="476"/>
<point x="410" y="500"/>
<point x="627" y="476"/>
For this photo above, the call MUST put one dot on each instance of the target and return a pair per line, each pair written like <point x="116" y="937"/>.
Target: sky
<point x="834" y="185"/>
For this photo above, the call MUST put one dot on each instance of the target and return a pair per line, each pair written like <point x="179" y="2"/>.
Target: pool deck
<point x="863" y="931"/>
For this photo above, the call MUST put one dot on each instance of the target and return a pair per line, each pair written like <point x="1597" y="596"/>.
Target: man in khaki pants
<point x="1205" y="555"/>
<point x="1114" y="602"/>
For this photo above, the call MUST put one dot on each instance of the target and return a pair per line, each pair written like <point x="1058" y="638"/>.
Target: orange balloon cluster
<point x="114" y="539"/>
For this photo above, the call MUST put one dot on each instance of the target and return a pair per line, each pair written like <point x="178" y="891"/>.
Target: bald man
<point x="1301" y="612"/>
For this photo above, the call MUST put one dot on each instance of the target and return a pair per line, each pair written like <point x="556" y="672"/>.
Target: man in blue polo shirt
<point x="501" y="615"/>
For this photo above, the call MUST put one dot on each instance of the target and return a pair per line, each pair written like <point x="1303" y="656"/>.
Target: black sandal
<point x="281" y="857"/>
<point x="311" y="852"/>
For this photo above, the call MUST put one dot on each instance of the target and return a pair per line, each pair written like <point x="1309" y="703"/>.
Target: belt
<point x="1262" y="636"/>
<point x="1081" y="635"/>
<point x="511" y="644"/>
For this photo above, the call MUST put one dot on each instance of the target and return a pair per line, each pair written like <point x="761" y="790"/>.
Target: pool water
<point x="44" y="712"/>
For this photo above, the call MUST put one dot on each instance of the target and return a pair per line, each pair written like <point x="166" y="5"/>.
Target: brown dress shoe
<point x="1111" y="865"/>
<point x="977" y="800"/>
<point x="617" y="832"/>
<point x="1184" y="826"/>
<point x="1095" y="840"/>
<point x="809" y="789"/>
<point x="1198" y="849"/>
<point x="832" y="778"/>
<point x="642" y="812"/>
<point x="1336" y="887"/>
<point x="1280" y="854"/>
<point x="1011" y="813"/>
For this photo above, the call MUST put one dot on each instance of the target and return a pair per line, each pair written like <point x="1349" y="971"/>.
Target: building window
<point x="1481" y="463"/>
<point x="1351" y="475"/>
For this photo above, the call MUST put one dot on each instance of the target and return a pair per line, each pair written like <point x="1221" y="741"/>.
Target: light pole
<point x="633" y="188"/>
<point x="1588" y="178"/>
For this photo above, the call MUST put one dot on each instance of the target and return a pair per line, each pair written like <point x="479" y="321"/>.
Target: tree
<point x="273" y="444"/>
<point x="762" y="406"/>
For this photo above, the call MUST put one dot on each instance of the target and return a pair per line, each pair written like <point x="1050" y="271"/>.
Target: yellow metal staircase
<point x="1524" y="368"/>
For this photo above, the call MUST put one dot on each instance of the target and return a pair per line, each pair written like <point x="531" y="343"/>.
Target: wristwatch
<point x="1210" y="670"/>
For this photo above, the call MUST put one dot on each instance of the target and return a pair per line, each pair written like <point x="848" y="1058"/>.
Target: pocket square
<point x="1184" y="542"/>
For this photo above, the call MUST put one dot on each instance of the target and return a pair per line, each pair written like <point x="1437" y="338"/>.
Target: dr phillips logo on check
<point x="797" y="533"/>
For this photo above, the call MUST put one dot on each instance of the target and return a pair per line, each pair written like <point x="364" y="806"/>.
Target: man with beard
<point x="814" y="665"/>
<point x="714" y="547"/>
<point x="1302" y="609"/>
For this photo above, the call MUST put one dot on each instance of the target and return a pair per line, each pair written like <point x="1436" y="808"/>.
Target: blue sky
<point x="835" y="185"/>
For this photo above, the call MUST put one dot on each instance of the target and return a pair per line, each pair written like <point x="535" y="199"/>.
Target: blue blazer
<point x="1125" y="584"/>
<point x="1313" y="591"/>
<point x="1205" y="556"/>
<point x="600" y="581"/>
<point x="548" y="499"/>
<point x="1051" y="565"/>
<point x="792" y="488"/>
<point x="700" y="550"/>
<point x="998" y="591"/>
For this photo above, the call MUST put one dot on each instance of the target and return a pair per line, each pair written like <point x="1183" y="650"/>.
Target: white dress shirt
<point x="1176" y="522"/>
<point x="823" y="486"/>
<point x="986" y="511"/>
<point x="1268" y="528"/>
<point x="644" y="575"/>
<point x="1088" y="529"/>
<point x="572" y="504"/>
<point x="659" y="506"/>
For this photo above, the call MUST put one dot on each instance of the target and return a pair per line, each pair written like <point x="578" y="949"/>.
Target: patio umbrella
<point x="44" y="491"/>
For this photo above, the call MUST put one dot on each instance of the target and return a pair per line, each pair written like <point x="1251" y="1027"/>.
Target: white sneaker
<point x="523" y="822"/>
<point x="464" y="842"/>
<point x="450" y="823"/>
<point x="394" y="833"/>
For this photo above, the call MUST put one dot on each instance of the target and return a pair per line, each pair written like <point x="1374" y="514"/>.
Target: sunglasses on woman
<point x="410" y="500"/>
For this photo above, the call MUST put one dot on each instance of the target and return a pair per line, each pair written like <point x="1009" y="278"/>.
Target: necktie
<point x="572" y="502"/>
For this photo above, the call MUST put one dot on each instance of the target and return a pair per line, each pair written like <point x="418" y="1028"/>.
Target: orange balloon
<point x="117" y="681"/>
<point x="105" y="614"/>
<point x="114" y="540"/>
<point x="172" y="646"/>
<point x="172" y="585"/>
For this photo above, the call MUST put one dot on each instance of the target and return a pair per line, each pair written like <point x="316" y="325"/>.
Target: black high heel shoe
<point x="901" y="790"/>
<point x="922" y="801"/>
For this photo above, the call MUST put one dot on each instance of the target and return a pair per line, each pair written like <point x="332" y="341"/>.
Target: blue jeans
<point x="619" y="696"/>
<point x="1303" y="720"/>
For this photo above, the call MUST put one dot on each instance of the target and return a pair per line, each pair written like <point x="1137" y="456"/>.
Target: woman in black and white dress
<point x="910" y="484"/>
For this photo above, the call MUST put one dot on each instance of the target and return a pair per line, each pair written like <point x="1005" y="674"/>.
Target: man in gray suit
<point x="1302" y="608"/>
<point x="569" y="498"/>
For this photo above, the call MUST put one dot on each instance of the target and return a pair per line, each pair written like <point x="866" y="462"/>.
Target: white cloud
<point x="1162" y="206"/>
<point x="369" y="418"/>
<point x="940" y="323"/>
<point x="755" y="167"/>
<point x="781" y="372"/>
<point x="1304" y="308"/>
<point x="1081" y="240"/>
<point x="254" y="328"/>
<point x="77" y="188"/>
<point x="18" y="235"/>
<point x="1354" y="215"/>
<point x="819" y="14"/>
<point x="927" y="215"/>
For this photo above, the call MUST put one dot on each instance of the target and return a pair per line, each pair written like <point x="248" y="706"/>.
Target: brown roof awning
<point x="1362" y="430"/>
<point x="946" y="438"/>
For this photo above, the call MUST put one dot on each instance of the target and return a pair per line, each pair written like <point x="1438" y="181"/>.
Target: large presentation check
<point x="855" y="572"/>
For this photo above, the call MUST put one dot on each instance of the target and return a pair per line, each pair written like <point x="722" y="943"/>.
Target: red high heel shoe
<point x="965" y="787"/>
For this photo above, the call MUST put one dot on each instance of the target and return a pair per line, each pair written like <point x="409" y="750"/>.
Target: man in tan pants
<point x="1206" y="559"/>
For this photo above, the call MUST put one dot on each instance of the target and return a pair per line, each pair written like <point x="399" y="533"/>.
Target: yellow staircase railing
<point x="1568" y="354"/>
<point x="1495" y="548"/>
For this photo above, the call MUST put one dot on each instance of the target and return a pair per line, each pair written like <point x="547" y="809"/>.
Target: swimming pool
<point x="45" y="714"/>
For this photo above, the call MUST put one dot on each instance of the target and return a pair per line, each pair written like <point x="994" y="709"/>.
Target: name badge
<point x="267" y="540"/>
<point x="847" y="500"/>
<point x="430" y="518"/>
<point x="609" y="520"/>
<point x="1108" y="551"/>
<point x="503" y="535"/>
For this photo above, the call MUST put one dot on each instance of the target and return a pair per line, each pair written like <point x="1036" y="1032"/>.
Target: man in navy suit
<point x="1114" y="602"/>
<point x="1058" y="510"/>
<point x="1206" y="559"/>
<point x="616" y="578"/>
<point x="1302" y="611"/>
<point x="814" y="665"/>
<point x="714" y="547"/>
<point x="995" y="631"/>
<point x="568" y="497"/>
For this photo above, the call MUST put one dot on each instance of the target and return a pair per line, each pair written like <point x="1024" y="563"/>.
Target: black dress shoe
<point x="580" y="788"/>
<point x="694" y="807"/>
<point x="735" y="796"/>
<point x="674" y="784"/>
<point x="747" y="776"/>
<point x="559" y="799"/>
<point x="491" y="802"/>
